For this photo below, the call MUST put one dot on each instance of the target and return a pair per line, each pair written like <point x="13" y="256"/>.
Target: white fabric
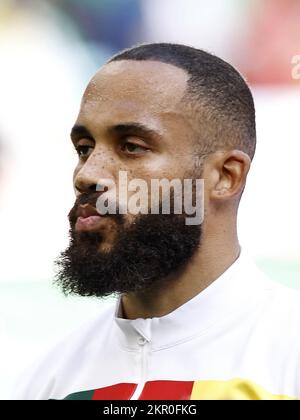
<point x="242" y="326"/>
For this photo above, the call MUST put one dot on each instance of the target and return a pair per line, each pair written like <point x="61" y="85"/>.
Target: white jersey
<point x="238" y="339"/>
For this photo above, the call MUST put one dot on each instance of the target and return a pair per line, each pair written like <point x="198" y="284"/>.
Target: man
<point x="194" y="318"/>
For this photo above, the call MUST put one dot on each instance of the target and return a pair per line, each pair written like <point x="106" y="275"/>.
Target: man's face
<point x="131" y="120"/>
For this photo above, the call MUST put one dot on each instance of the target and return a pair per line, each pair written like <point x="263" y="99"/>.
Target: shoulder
<point x="284" y="304"/>
<point x="38" y="380"/>
<point x="278" y="302"/>
<point x="275" y="321"/>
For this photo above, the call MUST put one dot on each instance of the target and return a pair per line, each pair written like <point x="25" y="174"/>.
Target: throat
<point x="176" y="292"/>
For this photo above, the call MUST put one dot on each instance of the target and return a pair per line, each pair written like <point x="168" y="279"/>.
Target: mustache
<point x="84" y="198"/>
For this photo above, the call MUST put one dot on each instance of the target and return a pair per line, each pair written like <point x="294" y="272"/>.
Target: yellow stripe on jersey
<point x="235" y="389"/>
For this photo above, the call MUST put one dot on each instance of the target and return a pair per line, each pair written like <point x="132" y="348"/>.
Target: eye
<point x="133" y="149"/>
<point x="83" y="151"/>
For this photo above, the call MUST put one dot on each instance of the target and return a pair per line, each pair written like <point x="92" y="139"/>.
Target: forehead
<point x="130" y="89"/>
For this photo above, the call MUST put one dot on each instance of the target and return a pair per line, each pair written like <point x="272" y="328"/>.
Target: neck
<point x="211" y="260"/>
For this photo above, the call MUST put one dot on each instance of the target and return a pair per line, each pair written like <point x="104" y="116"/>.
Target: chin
<point x="105" y="247"/>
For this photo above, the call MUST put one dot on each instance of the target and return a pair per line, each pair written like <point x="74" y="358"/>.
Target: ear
<point x="228" y="173"/>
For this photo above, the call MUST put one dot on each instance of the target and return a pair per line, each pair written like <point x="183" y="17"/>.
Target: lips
<point x="88" y="219"/>
<point x="86" y="211"/>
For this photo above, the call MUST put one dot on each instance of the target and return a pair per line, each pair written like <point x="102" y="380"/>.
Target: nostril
<point x="92" y="188"/>
<point x="85" y="187"/>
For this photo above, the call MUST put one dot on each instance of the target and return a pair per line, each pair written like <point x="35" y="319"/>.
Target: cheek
<point x="169" y="166"/>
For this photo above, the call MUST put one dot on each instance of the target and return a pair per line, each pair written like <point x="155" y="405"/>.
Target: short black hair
<point x="223" y="100"/>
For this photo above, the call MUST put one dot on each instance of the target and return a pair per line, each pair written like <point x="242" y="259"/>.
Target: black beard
<point x="147" y="255"/>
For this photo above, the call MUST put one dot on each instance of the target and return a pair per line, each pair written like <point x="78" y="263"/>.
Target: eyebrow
<point x="135" y="128"/>
<point x="80" y="131"/>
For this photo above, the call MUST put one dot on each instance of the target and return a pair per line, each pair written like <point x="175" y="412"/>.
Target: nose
<point x="90" y="176"/>
<point x="84" y="184"/>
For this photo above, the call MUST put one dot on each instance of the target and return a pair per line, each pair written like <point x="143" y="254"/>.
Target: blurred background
<point x="49" y="49"/>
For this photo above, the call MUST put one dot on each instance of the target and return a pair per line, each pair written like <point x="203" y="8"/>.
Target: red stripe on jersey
<point x="167" y="390"/>
<point x="115" y="392"/>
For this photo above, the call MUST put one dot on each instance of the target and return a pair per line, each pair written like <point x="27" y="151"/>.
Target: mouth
<point x="88" y="219"/>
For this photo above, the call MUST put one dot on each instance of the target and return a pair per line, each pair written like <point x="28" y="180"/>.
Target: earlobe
<point x="232" y="168"/>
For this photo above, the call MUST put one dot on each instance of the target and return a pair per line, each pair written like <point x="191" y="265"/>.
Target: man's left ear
<point x="232" y="168"/>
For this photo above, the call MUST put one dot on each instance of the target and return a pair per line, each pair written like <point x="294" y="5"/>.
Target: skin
<point x="151" y="93"/>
